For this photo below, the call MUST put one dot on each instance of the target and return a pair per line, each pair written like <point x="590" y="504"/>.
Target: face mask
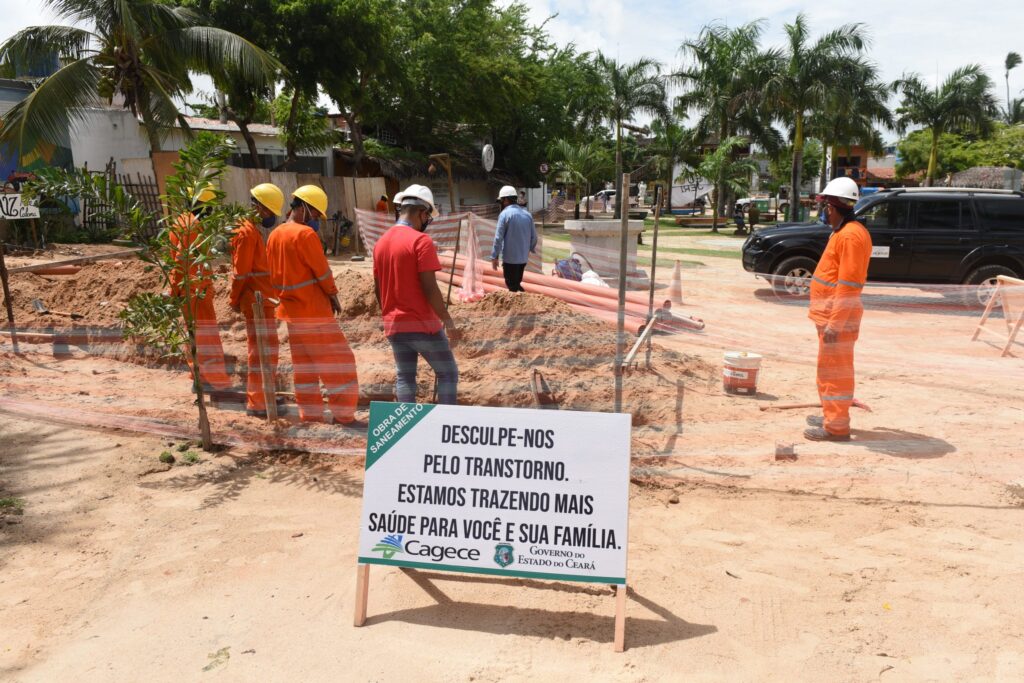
<point x="315" y="224"/>
<point x="269" y="222"/>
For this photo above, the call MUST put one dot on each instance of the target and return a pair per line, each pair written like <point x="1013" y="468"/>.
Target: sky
<point x="929" y="37"/>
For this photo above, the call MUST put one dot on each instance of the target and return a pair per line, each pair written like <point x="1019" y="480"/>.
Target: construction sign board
<point x="12" y="208"/>
<point x="499" y="491"/>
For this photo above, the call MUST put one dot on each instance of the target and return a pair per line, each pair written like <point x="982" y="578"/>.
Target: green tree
<point x="1013" y="60"/>
<point x="634" y="88"/>
<point x="1004" y="147"/>
<point x="723" y="82"/>
<point x="165" y="321"/>
<point x="139" y="51"/>
<point x="578" y="165"/>
<point x="240" y="99"/>
<point x="724" y="171"/>
<point x="803" y="77"/>
<point x="309" y="130"/>
<point x="851" y="112"/>
<point x="964" y="102"/>
<point x="672" y="143"/>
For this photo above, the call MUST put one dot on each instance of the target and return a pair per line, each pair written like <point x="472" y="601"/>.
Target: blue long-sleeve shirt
<point x="516" y="237"/>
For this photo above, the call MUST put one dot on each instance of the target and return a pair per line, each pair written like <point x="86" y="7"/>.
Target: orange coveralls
<point x="199" y="302"/>
<point x="320" y="353"/>
<point x="250" y="273"/>
<point x="835" y="304"/>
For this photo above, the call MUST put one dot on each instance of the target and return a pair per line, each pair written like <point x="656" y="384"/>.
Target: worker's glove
<point x="829" y="336"/>
<point x="335" y="306"/>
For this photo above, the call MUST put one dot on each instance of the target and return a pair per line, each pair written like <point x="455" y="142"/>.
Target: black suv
<point x="920" y="235"/>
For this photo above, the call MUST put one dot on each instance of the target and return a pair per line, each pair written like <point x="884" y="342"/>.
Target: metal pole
<point x="620" y="338"/>
<point x="654" y="268"/>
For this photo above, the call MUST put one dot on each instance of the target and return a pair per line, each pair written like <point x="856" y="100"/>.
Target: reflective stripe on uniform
<point x="260" y="274"/>
<point x="822" y="282"/>
<point x="338" y="390"/>
<point x="307" y="283"/>
<point x="837" y="398"/>
<point x="307" y="385"/>
<point x="851" y="284"/>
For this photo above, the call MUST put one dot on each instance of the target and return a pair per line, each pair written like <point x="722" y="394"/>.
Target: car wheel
<point x="792" y="277"/>
<point x="982" y="284"/>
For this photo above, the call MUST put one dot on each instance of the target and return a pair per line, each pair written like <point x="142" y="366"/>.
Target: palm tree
<point x="578" y="165"/>
<point x="1013" y="60"/>
<point x="139" y="51"/>
<point x="635" y="88"/>
<point x="1015" y="114"/>
<point x="805" y="75"/>
<point x="964" y="102"/>
<point x="733" y="175"/>
<point x="850" y="115"/>
<point x="723" y="85"/>
<point x="672" y="143"/>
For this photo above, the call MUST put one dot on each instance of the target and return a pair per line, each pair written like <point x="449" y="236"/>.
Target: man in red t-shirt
<point x="416" y="321"/>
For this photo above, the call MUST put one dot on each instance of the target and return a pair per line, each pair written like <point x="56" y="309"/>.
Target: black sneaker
<point x="815" y="421"/>
<point x="819" y="434"/>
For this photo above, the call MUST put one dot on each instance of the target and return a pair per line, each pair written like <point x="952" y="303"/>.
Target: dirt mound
<point x="98" y="292"/>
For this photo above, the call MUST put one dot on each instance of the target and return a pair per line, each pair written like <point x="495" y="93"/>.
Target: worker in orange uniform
<point x="836" y="309"/>
<point x="251" y="274"/>
<point x="302" y="277"/>
<point x="198" y="295"/>
<point x="382" y="204"/>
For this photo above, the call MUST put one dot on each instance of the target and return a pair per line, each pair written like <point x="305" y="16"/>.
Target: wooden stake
<point x="620" y="614"/>
<point x="458" y="238"/>
<point x="654" y="267"/>
<point x="7" y="299"/>
<point x="362" y="593"/>
<point x="266" y="375"/>
<point x="620" y="337"/>
<point x="76" y="261"/>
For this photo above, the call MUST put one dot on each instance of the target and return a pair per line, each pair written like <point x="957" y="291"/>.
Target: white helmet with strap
<point x="842" y="188"/>
<point x="507" y="192"/>
<point x="416" y="195"/>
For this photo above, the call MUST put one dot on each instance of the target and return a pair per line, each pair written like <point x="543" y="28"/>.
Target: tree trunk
<point x="618" y="171"/>
<point x="293" y="113"/>
<point x="358" y="150"/>
<point x="588" y="200"/>
<point x="933" y="158"/>
<point x="671" y="172"/>
<point x="714" y="214"/>
<point x="798" y="167"/>
<point x="250" y="141"/>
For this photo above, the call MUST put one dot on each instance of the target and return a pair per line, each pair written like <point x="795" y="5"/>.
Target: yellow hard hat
<point x="208" y="193"/>
<point x="270" y="196"/>
<point x="314" y="196"/>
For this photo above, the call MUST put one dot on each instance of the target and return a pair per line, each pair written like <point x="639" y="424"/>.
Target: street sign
<point x="499" y="491"/>
<point x="13" y="208"/>
<point x="487" y="158"/>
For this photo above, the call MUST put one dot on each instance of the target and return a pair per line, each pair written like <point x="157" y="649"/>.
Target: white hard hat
<point x="507" y="191"/>
<point x="842" y="188"/>
<point x="416" y="195"/>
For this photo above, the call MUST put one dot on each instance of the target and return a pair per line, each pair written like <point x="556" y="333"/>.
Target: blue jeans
<point x="408" y="347"/>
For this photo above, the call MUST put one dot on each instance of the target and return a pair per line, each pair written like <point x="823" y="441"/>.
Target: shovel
<point x="41" y="308"/>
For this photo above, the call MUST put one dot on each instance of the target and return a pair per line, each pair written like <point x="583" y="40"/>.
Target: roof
<point x="200" y="123"/>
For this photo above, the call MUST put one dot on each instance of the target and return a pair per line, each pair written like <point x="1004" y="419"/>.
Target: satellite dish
<point x="487" y="158"/>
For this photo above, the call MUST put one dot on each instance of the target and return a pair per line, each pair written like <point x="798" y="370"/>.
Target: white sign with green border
<point x="502" y="491"/>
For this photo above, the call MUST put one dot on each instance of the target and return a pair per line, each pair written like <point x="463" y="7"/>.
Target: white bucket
<point x="739" y="372"/>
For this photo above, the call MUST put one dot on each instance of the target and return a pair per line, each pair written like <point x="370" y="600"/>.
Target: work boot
<point x="815" y="421"/>
<point x="819" y="434"/>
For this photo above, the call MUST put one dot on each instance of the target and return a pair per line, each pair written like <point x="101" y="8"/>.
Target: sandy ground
<point x="895" y="557"/>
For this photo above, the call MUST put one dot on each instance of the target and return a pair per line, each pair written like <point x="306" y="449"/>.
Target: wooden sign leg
<point x="988" y="311"/>
<point x="620" y="618"/>
<point x="362" y="593"/>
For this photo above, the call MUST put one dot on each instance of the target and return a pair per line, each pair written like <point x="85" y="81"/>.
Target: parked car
<point x="920" y="235"/>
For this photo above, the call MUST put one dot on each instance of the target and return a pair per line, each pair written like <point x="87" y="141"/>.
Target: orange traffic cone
<point x="675" y="287"/>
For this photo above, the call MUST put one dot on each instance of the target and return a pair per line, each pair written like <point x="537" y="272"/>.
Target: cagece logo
<point x="388" y="546"/>
<point x="439" y="553"/>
